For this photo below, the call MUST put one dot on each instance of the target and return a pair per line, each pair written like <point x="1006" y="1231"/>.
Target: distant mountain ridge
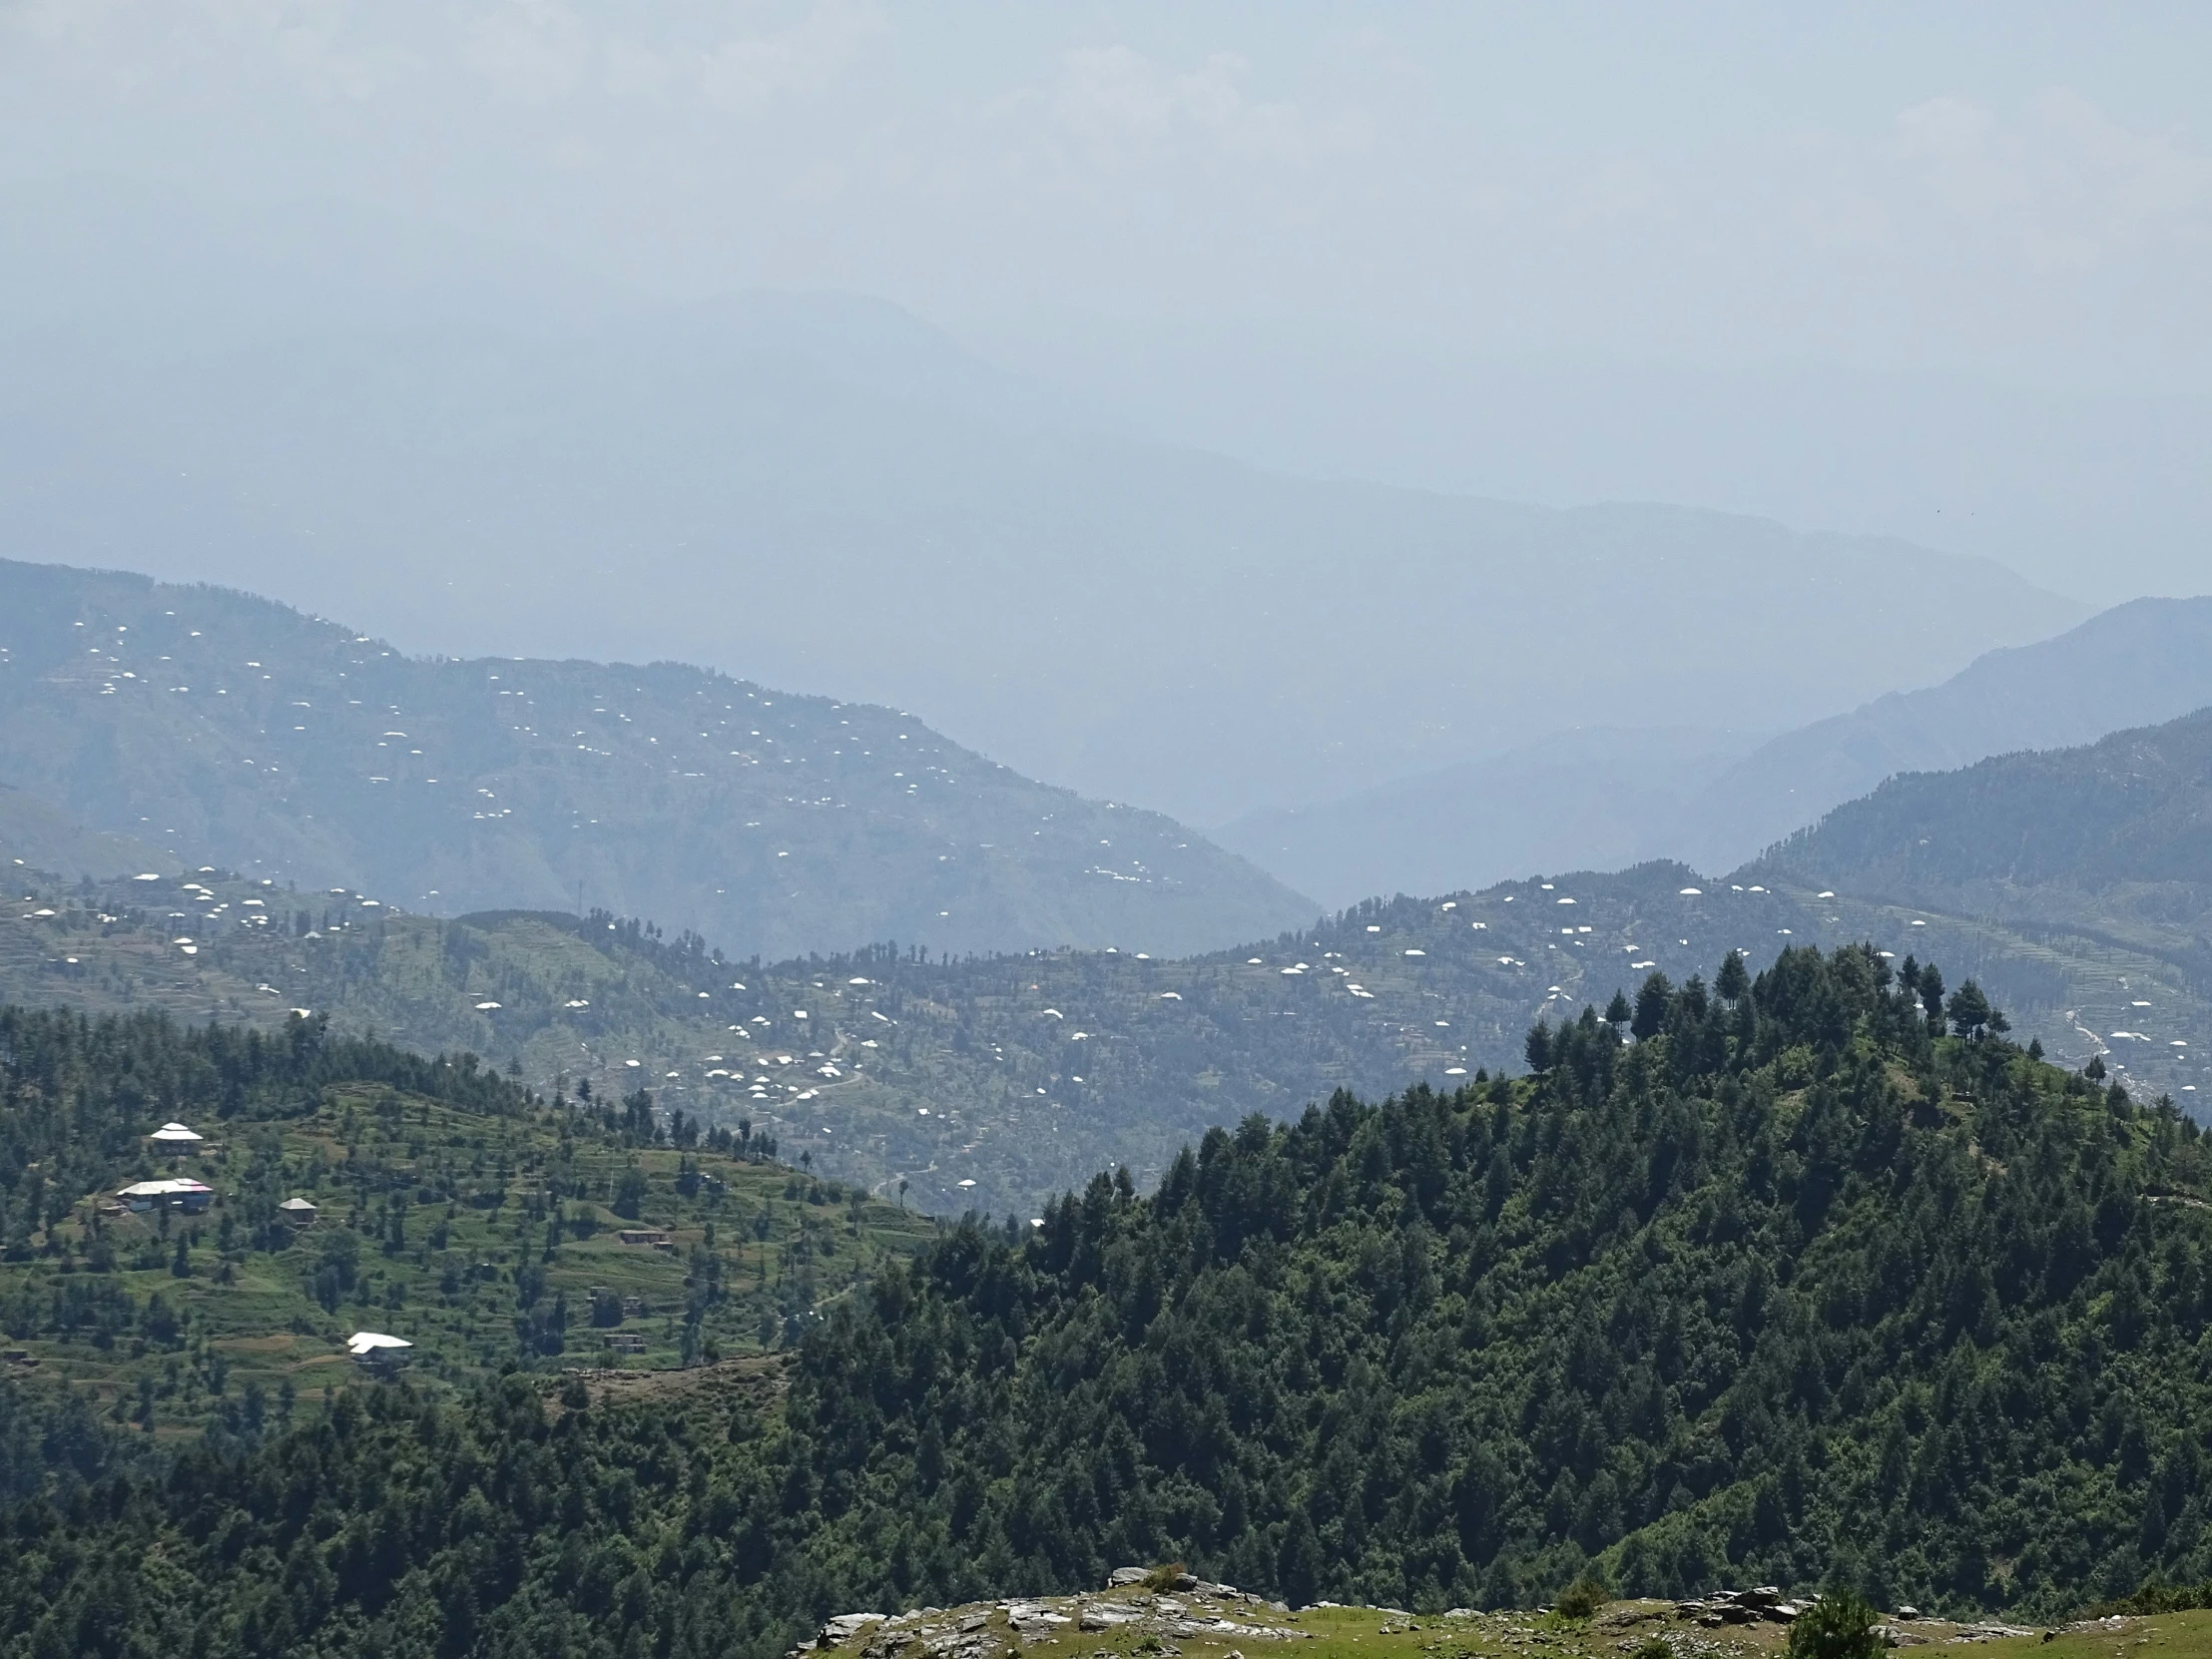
<point x="818" y="492"/>
<point x="2079" y="879"/>
<point x="1715" y="798"/>
<point x="229" y="730"/>
<point x="2134" y="808"/>
<point x="1591" y="799"/>
<point x="2138" y="664"/>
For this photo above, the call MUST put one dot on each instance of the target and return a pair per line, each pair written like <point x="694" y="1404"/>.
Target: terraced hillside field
<point x="486" y="1227"/>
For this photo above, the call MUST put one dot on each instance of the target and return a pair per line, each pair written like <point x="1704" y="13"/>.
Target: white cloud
<point x="1122" y="106"/>
<point x="1943" y="128"/>
<point x="129" y="46"/>
<point x="748" y="73"/>
<point x="532" y="50"/>
<point x="2063" y="185"/>
<point x="637" y="71"/>
<point x="49" y="21"/>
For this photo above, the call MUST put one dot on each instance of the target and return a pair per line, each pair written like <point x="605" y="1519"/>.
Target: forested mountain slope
<point x="990" y="1082"/>
<point x="2067" y="857"/>
<point x="37" y="833"/>
<point x="2138" y="664"/>
<point x="227" y="730"/>
<point x="994" y="1082"/>
<point x="1793" y="1289"/>
<point x="2133" y="810"/>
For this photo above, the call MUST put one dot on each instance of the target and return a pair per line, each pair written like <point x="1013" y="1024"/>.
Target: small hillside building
<point x="191" y="1197"/>
<point x="374" y="1351"/>
<point x="177" y="1139"/>
<point x="298" y="1211"/>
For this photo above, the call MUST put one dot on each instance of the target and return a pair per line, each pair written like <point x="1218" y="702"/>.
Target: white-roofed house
<point x="191" y="1197"/>
<point x="298" y="1211"/>
<point x="177" y="1139"/>
<point x="374" y="1351"/>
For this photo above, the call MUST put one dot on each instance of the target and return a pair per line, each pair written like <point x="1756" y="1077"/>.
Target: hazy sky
<point x="1986" y="199"/>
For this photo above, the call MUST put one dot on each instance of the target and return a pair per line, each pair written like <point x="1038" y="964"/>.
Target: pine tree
<point x="1651" y="1007"/>
<point x="1538" y="1047"/>
<point x="1932" y="994"/>
<point x="1969" y="1010"/>
<point x="1732" y="980"/>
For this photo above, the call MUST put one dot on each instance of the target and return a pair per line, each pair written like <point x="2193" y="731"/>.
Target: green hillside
<point x="2080" y="878"/>
<point x="2135" y="664"/>
<point x="989" y="1083"/>
<point x="226" y="730"/>
<point x="39" y="833"/>
<point x="472" y="1217"/>
<point x="1794" y="1291"/>
<point x="2127" y="812"/>
<point x="994" y="1082"/>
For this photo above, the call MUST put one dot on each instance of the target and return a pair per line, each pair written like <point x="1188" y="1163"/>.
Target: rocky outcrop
<point x="1193" y="1611"/>
<point x="1741" y="1607"/>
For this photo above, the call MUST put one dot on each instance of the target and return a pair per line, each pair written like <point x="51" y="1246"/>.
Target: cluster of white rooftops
<point x="178" y="1192"/>
<point x="367" y="1346"/>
